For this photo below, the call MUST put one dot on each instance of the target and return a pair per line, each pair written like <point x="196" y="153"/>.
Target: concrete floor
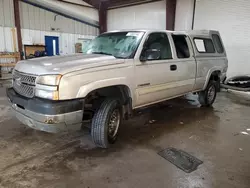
<point x="220" y="137"/>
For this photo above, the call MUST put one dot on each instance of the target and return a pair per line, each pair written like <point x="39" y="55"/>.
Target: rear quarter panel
<point x="205" y="67"/>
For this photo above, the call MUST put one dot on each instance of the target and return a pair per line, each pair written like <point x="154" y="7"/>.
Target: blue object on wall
<point x="52" y="45"/>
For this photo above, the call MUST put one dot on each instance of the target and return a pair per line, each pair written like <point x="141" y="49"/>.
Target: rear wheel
<point x="106" y="123"/>
<point x="208" y="96"/>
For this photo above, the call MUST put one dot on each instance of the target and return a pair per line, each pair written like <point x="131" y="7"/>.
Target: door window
<point x="181" y="46"/>
<point x="157" y="42"/>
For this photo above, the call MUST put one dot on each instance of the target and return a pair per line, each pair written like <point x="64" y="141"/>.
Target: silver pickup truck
<point x="118" y="72"/>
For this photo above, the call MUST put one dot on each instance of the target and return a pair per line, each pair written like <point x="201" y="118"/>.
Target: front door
<point x="163" y="77"/>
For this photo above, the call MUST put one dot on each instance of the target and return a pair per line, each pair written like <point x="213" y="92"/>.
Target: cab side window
<point x="181" y="46"/>
<point x="159" y="42"/>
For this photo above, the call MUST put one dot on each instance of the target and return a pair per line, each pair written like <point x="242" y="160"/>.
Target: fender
<point x="210" y="72"/>
<point x="86" y="89"/>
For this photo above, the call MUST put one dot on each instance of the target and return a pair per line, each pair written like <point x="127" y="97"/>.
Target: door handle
<point x="173" y="67"/>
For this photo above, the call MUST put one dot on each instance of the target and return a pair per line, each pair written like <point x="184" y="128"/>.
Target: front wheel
<point x="106" y="123"/>
<point x="208" y="96"/>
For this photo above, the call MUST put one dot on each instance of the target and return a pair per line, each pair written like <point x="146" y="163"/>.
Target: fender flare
<point x="210" y="72"/>
<point x="86" y="89"/>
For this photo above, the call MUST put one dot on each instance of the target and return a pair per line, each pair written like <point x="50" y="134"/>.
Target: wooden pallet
<point x="11" y="64"/>
<point x="5" y="56"/>
<point x="4" y="62"/>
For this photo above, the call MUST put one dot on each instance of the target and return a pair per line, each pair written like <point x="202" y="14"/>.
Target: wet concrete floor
<point x="218" y="136"/>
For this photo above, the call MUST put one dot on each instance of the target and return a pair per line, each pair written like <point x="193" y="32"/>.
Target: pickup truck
<point x="117" y="73"/>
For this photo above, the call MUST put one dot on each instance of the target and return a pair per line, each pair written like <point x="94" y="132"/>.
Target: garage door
<point x="232" y="19"/>
<point x="144" y="16"/>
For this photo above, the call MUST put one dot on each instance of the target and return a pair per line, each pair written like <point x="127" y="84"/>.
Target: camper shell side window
<point x="204" y="45"/>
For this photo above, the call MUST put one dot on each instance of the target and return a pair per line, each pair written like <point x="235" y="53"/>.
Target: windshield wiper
<point x="102" y="53"/>
<point x="108" y="54"/>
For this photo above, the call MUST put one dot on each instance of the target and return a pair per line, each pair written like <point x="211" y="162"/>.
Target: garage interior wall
<point x="76" y="11"/>
<point x="184" y="14"/>
<point x="232" y="19"/>
<point x="37" y="23"/>
<point x="6" y="24"/>
<point x="144" y="16"/>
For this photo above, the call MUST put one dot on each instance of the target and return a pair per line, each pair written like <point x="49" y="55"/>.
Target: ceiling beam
<point x="94" y="3"/>
<point x="72" y="3"/>
<point x="113" y="4"/>
<point x="122" y="3"/>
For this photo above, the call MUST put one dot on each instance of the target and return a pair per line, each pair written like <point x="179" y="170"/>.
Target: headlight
<point x="52" y="95"/>
<point x="51" y="80"/>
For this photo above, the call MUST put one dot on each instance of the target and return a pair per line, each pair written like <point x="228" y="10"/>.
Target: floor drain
<point x="181" y="159"/>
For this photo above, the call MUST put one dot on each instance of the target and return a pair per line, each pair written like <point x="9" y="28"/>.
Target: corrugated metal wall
<point x="37" y="23"/>
<point x="145" y="16"/>
<point x="6" y="13"/>
<point x="6" y="23"/>
<point x="35" y="18"/>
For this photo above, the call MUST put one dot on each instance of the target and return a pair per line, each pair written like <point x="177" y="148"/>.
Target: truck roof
<point x="189" y="32"/>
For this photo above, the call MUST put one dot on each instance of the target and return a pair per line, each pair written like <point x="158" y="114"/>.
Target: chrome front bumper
<point x="49" y="123"/>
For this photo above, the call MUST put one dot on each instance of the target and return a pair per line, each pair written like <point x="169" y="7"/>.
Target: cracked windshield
<point x="117" y="44"/>
<point x="124" y="94"/>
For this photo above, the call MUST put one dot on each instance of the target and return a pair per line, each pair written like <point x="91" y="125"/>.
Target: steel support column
<point x="18" y="26"/>
<point x="103" y="6"/>
<point x="170" y="14"/>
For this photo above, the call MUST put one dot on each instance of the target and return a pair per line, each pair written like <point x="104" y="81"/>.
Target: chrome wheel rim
<point x="211" y="94"/>
<point x="114" y="123"/>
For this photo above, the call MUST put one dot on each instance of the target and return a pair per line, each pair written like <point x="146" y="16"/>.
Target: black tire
<point x="204" y="98"/>
<point x="100" y="123"/>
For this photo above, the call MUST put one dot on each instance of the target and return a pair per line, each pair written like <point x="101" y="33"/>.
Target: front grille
<point x="24" y="84"/>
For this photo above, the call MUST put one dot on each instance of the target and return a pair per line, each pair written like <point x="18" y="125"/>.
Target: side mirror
<point x="150" y="54"/>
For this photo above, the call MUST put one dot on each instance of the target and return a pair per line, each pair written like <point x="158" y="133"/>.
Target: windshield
<point x="118" y="44"/>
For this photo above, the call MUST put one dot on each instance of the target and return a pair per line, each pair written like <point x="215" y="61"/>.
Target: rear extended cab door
<point x="158" y="80"/>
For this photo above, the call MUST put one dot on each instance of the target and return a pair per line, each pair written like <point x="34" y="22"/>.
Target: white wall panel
<point x="184" y="14"/>
<point x="232" y="19"/>
<point x="26" y="37"/>
<point x="36" y="23"/>
<point x="88" y="12"/>
<point x="35" y="18"/>
<point x="2" y="39"/>
<point x="49" y="19"/>
<point x="31" y="16"/>
<point x="1" y="13"/>
<point x="6" y="40"/>
<point x="6" y="13"/>
<point x="66" y="40"/>
<point x="145" y="16"/>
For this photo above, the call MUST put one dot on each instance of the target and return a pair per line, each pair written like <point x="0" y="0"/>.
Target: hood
<point x="65" y="64"/>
